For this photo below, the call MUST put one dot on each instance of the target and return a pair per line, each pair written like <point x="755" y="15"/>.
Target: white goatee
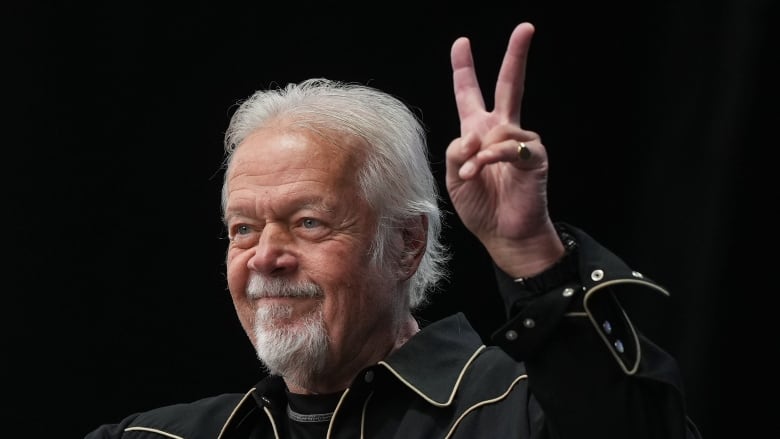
<point x="294" y="349"/>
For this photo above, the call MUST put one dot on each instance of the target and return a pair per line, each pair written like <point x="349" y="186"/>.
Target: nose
<point x="274" y="252"/>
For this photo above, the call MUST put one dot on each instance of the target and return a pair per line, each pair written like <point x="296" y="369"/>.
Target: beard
<point x="295" y="350"/>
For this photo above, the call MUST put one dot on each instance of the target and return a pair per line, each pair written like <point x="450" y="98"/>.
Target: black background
<point x="660" y="120"/>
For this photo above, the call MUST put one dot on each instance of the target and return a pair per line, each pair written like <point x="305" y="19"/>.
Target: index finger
<point x="468" y="96"/>
<point x="511" y="78"/>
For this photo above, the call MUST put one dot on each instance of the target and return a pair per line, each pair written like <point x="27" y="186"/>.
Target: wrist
<point x="528" y="256"/>
<point x="557" y="274"/>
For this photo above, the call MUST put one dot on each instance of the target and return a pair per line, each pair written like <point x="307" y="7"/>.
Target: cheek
<point x="356" y="299"/>
<point x="237" y="276"/>
<point x="236" y="267"/>
<point x="341" y="279"/>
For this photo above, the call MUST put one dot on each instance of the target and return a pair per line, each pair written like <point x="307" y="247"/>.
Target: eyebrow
<point x="243" y="209"/>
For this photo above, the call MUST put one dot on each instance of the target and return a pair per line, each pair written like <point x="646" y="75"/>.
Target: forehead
<point x="281" y="158"/>
<point x="286" y="147"/>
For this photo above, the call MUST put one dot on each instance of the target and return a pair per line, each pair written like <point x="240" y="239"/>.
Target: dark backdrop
<point x="657" y="115"/>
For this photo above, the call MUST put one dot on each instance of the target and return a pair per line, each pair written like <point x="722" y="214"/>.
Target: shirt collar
<point x="448" y="347"/>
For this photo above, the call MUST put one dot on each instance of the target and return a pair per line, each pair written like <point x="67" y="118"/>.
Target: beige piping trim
<point x="454" y="389"/>
<point x="273" y="424"/>
<point x="154" y="430"/>
<point x="590" y="292"/>
<point x="338" y="406"/>
<point x="233" y="413"/>
<point x="485" y="402"/>
<point x="363" y="416"/>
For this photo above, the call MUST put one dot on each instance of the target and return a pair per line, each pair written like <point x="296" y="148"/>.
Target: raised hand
<point x="496" y="170"/>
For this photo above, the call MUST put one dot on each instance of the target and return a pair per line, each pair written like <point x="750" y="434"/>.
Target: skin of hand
<point x="501" y="199"/>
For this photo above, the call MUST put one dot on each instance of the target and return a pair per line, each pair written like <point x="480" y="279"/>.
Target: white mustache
<point x="259" y="287"/>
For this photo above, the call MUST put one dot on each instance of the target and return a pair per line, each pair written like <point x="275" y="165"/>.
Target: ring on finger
<point x="523" y="151"/>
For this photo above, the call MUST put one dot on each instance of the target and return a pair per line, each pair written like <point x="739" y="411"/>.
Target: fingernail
<point x="466" y="169"/>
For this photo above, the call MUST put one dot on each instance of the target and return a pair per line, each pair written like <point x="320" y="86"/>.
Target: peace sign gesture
<point x="496" y="170"/>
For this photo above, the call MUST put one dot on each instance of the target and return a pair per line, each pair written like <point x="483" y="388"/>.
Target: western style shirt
<point x="568" y="363"/>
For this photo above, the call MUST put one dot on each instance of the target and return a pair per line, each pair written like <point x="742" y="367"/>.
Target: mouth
<point x="282" y="289"/>
<point x="286" y="310"/>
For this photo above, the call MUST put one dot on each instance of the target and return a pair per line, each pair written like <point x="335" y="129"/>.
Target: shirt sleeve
<point x="591" y="370"/>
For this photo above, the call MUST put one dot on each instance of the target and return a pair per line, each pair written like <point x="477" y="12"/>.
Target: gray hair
<point x="395" y="177"/>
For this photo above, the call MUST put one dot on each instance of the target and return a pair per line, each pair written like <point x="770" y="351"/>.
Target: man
<point x="334" y="227"/>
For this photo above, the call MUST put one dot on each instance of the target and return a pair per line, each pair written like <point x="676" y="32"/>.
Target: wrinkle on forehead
<point x="294" y="164"/>
<point x="331" y="150"/>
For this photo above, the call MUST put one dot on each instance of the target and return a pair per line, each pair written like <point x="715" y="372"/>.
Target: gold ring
<point x="523" y="151"/>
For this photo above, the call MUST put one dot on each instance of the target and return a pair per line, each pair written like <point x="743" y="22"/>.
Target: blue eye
<point x="310" y="223"/>
<point x="243" y="229"/>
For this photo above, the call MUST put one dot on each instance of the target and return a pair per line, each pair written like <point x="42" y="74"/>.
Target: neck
<point x="407" y="330"/>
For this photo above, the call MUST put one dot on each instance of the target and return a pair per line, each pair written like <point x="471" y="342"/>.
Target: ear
<point x="415" y="237"/>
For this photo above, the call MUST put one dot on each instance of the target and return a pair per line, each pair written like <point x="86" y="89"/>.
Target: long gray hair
<point x="395" y="177"/>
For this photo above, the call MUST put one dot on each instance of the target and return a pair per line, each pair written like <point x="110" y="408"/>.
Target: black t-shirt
<point x="308" y="416"/>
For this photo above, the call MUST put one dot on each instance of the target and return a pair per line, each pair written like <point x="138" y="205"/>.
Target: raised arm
<point x="496" y="170"/>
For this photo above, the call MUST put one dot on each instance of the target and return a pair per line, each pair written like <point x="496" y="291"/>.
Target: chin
<point x="295" y="348"/>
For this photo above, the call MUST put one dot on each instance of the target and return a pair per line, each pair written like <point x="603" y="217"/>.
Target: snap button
<point x="637" y="274"/>
<point x="511" y="335"/>
<point x="568" y="292"/>
<point x="369" y="376"/>
<point x="597" y="275"/>
<point x="607" y="327"/>
<point x="529" y="323"/>
<point x="619" y="346"/>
